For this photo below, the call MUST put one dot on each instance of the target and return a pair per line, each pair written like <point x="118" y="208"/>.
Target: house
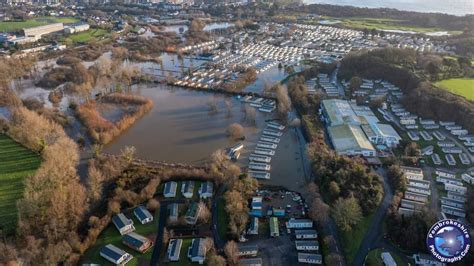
<point x="248" y="250"/>
<point x="187" y="189"/>
<point x="192" y="213"/>
<point x="169" y="190"/>
<point x="205" y="191"/>
<point x="197" y="252"/>
<point x="306" y="234"/>
<point x="173" y="211"/>
<point x="312" y="245"/>
<point x="251" y="262"/>
<point x="137" y="242"/>
<point x="310" y="258"/>
<point x="143" y="215"/>
<point x="299" y="223"/>
<point x="274" y="229"/>
<point x="115" y="255"/>
<point x="426" y="260"/>
<point x="174" y="249"/>
<point x="253" y="230"/>
<point x="387" y="259"/>
<point x="445" y="173"/>
<point x="123" y="224"/>
<point x="412" y="173"/>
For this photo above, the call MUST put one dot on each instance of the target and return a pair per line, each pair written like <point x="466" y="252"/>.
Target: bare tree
<point x="319" y="211"/>
<point x="284" y="102"/>
<point x="128" y="154"/>
<point x="204" y="213"/>
<point x="235" y="131"/>
<point x="231" y="251"/>
<point x="153" y="204"/>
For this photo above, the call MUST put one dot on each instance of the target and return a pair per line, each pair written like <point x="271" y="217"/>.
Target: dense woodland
<point x="422" y="98"/>
<point x="346" y="184"/>
<point x="435" y="20"/>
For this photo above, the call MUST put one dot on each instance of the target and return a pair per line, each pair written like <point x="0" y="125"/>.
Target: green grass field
<point x="86" y="36"/>
<point x="111" y="236"/>
<point x="8" y="26"/>
<point x="384" y="24"/>
<point x="351" y="240"/>
<point x="463" y="87"/>
<point x="374" y="258"/>
<point x="16" y="162"/>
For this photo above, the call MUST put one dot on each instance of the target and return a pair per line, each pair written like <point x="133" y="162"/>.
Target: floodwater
<point x="271" y="76"/>
<point x="182" y="128"/>
<point x="208" y="27"/>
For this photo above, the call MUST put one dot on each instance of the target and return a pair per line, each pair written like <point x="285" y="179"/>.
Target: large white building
<point x="39" y="31"/>
<point x="354" y="129"/>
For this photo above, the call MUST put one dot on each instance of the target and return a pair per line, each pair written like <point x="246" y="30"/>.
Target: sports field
<point x="16" y="163"/>
<point x="9" y="26"/>
<point x="86" y="36"/>
<point x="463" y="87"/>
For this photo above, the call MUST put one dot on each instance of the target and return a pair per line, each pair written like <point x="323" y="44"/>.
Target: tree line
<point x="421" y="98"/>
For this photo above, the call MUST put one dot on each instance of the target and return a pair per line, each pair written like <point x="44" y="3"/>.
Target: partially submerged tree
<point x="235" y="132"/>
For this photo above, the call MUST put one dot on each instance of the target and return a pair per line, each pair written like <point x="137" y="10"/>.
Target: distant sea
<point x="453" y="7"/>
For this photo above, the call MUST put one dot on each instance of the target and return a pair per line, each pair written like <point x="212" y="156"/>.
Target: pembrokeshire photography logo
<point x="449" y="240"/>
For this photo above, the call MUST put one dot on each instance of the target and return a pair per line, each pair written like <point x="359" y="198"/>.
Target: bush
<point x="235" y="132"/>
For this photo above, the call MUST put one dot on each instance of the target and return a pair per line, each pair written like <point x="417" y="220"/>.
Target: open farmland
<point x="8" y="26"/>
<point x="463" y="87"/>
<point x="16" y="162"/>
<point x="385" y="24"/>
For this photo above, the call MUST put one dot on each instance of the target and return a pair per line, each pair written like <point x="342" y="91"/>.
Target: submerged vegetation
<point x="103" y="130"/>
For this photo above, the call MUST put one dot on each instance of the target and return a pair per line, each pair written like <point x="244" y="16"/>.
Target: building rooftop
<point x="120" y="220"/>
<point x="142" y="213"/>
<point x="112" y="252"/>
<point x="340" y="112"/>
<point x="135" y="240"/>
<point x="349" y="137"/>
<point x="197" y="248"/>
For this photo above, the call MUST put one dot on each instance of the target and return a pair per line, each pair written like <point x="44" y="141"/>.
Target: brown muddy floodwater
<point x="182" y="128"/>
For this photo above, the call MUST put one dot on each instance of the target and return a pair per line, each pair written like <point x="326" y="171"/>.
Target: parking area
<point x="282" y="204"/>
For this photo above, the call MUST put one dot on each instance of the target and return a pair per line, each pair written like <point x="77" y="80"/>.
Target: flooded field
<point x="188" y="126"/>
<point x="185" y="125"/>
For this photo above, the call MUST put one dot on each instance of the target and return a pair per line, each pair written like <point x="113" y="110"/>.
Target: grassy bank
<point x="351" y="240"/>
<point x="462" y="86"/>
<point x="86" y="36"/>
<point x="16" y="163"/>
<point x="8" y="26"/>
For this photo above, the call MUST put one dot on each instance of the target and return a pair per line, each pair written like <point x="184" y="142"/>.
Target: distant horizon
<point x="451" y="7"/>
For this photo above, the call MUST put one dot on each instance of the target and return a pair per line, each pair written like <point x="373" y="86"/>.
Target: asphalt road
<point x="155" y="257"/>
<point x="218" y="242"/>
<point x="374" y="234"/>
